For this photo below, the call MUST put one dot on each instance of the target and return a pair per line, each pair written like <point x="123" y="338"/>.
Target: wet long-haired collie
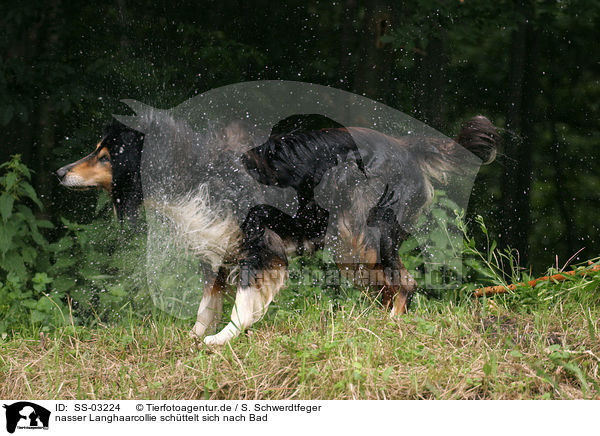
<point x="259" y="244"/>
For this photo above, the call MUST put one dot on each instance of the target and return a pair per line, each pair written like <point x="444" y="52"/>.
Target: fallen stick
<point x="491" y="290"/>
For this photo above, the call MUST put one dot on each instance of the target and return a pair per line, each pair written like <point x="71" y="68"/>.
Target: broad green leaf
<point x="7" y="232"/>
<point x="30" y="192"/>
<point x="45" y="224"/>
<point x="13" y="262"/>
<point x="38" y="317"/>
<point x="64" y="262"/>
<point x="37" y="237"/>
<point x="29" y="255"/>
<point x="61" y="245"/>
<point x="10" y="180"/>
<point x="6" y="204"/>
<point x="64" y="284"/>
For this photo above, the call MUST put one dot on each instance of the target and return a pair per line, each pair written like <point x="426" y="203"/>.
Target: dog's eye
<point x="104" y="159"/>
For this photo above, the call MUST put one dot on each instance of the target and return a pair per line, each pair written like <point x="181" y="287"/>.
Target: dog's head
<point x="114" y="166"/>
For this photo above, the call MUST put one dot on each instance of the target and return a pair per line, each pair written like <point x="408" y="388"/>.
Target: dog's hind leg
<point x="399" y="285"/>
<point x="211" y="306"/>
<point x="399" y="293"/>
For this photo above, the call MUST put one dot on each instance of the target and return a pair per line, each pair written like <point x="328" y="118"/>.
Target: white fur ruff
<point x="211" y="233"/>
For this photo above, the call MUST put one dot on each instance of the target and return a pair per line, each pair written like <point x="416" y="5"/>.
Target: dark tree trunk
<point x="46" y="115"/>
<point x="348" y="44"/>
<point x="44" y="151"/>
<point x="376" y="57"/>
<point x="562" y="195"/>
<point x="518" y="176"/>
<point x="430" y="84"/>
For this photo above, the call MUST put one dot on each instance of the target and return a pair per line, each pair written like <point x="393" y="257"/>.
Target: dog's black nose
<point x="61" y="172"/>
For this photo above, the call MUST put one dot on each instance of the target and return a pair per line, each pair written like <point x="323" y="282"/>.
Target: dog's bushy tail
<point x="480" y="137"/>
<point x="438" y="157"/>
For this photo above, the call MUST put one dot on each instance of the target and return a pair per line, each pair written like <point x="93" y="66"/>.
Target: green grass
<point x="537" y="343"/>
<point x="76" y="322"/>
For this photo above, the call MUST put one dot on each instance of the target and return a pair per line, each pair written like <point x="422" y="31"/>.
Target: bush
<point x="101" y="267"/>
<point x="91" y="273"/>
<point x="25" y="255"/>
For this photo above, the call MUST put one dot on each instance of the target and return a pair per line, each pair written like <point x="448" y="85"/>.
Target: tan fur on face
<point x="89" y="172"/>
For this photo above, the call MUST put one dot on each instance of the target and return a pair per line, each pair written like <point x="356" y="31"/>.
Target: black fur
<point x="125" y="147"/>
<point x="300" y="159"/>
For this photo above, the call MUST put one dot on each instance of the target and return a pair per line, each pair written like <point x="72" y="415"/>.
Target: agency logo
<point x="26" y="415"/>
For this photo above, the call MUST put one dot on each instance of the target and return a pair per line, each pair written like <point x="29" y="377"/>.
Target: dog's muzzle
<point x="62" y="172"/>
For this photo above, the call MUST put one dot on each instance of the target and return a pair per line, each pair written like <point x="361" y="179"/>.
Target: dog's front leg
<point x="251" y="302"/>
<point x="250" y="306"/>
<point x="211" y="307"/>
<point x="263" y="269"/>
<point x="263" y="272"/>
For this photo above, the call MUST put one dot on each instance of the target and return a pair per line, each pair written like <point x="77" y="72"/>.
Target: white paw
<point x="229" y="332"/>
<point x="215" y="340"/>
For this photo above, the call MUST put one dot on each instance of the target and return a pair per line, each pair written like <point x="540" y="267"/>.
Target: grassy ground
<point x="539" y="343"/>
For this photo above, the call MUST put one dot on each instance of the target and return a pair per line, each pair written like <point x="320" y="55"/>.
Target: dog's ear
<point x="146" y="118"/>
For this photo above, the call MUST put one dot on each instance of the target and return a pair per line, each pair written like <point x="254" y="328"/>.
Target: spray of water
<point x="192" y="159"/>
